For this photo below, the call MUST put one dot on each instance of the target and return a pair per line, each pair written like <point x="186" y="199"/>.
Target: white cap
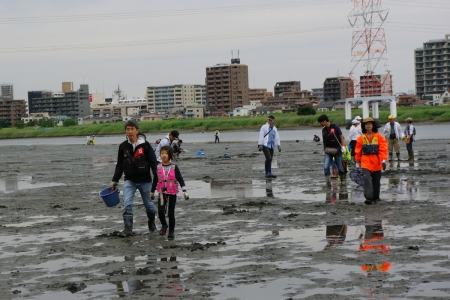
<point x="358" y="118"/>
<point x="355" y="122"/>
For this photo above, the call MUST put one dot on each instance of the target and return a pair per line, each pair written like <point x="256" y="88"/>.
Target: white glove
<point x="343" y="149"/>
<point x="186" y="196"/>
<point x="114" y="183"/>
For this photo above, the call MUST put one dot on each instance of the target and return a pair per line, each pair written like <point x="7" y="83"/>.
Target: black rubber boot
<point x="390" y="156"/>
<point x="128" y="226"/>
<point x="398" y="156"/>
<point x="151" y="222"/>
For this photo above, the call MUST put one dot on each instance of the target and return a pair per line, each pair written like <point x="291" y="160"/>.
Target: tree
<point x="20" y="124"/>
<point x="69" y="122"/>
<point x="306" y="110"/>
<point x="4" y="124"/>
<point x="47" y="123"/>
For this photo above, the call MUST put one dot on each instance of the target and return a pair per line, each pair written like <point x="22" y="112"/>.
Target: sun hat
<point x="358" y="118"/>
<point x="408" y="119"/>
<point x="354" y="122"/>
<point x="368" y="120"/>
<point x="391" y="117"/>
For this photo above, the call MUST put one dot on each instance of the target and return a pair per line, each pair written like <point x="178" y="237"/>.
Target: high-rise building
<point x="227" y="86"/>
<point x="73" y="104"/>
<point x="12" y="110"/>
<point x="318" y="93"/>
<point x="432" y="67"/>
<point x="7" y="91"/>
<point x="164" y="98"/>
<point x="67" y="87"/>
<point x="336" y="88"/>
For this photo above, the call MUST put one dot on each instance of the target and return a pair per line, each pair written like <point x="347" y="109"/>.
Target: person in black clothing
<point x="333" y="143"/>
<point x="136" y="159"/>
<point x="316" y="138"/>
<point x="166" y="183"/>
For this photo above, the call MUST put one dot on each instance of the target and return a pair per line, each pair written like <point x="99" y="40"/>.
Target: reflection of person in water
<point x="170" y="286"/>
<point x="373" y="242"/>
<point x="269" y="190"/>
<point x="335" y="235"/>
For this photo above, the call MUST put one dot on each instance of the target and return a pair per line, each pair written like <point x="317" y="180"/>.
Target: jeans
<point x="268" y="154"/>
<point x="409" y="145"/>
<point x="327" y="158"/>
<point x="129" y="190"/>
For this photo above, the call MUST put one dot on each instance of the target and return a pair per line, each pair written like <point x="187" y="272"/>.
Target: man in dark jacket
<point x="135" y="160"/>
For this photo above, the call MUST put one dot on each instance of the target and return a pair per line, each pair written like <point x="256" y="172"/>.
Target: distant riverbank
<point x="430" y="115"/>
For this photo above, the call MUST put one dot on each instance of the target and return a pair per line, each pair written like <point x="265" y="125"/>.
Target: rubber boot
<point x="267" y="168"/>
<point x="327" y="181"/>
<point x="128" y="226"/>
<point x="343" y="178"/>
<point x="390" y="156"/>
<point x="398" y="156"/>
<point x="270" y="171"/>
<point x="410" y="155"/>
<point x="151" y="222"/>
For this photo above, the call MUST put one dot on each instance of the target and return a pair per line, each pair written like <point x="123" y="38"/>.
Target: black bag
<point x="135" y="165"/>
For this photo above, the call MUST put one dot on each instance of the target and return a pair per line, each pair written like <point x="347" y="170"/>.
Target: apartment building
<point x="258" y="94"/>
<point x="317" y="93"/>
<point x="163" y="98"/>
<point x="371" y="85"/>
<point x="7" y="91"/>
<point x="336" y="88"/>
<point x="287" y="90"/>
<point x="227" y="86"/>
<point x="12" y="110"/>
<point x="72" y="104"/>
<point x="432" y="67"/>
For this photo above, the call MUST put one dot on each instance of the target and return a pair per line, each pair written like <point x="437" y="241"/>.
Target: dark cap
<point x="131" y="123"/>
<point x="175" y="134"/>
<point x="271" y="117"/>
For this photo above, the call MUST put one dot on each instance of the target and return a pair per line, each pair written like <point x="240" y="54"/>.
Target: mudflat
<point x="239" y="236"/>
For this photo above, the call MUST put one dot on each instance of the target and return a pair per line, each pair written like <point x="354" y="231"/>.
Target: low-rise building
<point x="35" y="117"/>
<point x="195" y="112"/>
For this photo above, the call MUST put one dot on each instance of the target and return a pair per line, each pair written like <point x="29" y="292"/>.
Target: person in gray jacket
<point x="267" y="142"/>
<point x="393" y="133"/>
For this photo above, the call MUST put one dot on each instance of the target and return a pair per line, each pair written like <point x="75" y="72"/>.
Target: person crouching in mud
<point x="371" y="155"/>
<point x="136" y="159"/>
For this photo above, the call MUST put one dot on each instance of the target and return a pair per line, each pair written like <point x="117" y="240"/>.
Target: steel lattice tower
<point x="368" y="49"/>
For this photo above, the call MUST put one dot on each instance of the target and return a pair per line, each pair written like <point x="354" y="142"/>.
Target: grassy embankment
<point x="291" y="120"/>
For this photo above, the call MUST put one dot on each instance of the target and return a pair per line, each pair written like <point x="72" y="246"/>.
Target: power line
<point x="169" y="13"/>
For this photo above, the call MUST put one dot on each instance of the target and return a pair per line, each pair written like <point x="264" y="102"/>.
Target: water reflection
<point x="170" y="285"/>
<point x="15" y="182"/>
<point x="337" y="192"/>
<point x="373" y="240"/>
<point x="335" y="235"/>
<point x="269" y="190"/>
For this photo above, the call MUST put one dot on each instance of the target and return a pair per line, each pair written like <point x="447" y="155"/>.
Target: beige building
<point x="164" y="98"/>
<point x="258" y="94"/>
<point x="227" y="86"/>
<point x="35" y="117"/>
<point x="195" y="112"/>
<point x="287" y="90"/>
<point x="67" y="87"/>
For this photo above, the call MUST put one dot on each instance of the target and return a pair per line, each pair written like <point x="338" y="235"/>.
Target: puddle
<point x="40" y="219"/>
<point x="22" y="182"/>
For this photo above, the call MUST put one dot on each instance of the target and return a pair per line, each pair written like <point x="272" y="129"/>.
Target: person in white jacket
<point x="267" y="142"/>
<point x="354" y="133"/>
<point x="393" y="133"/>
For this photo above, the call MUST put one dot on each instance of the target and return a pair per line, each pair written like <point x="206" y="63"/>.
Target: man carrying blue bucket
<point x="135" y="160"/>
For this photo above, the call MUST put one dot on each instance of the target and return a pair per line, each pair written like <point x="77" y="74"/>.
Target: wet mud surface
<point x="239" y="236"/>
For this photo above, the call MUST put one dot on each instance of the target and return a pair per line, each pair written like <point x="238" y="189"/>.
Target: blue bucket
<point x="199" y="153"/>
<point x="111" y="198"/>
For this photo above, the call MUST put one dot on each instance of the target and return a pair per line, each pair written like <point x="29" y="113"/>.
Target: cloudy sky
<point x="140" y="43"/>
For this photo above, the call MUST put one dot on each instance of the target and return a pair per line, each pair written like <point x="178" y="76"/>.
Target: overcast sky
<point x="140" y="43"/>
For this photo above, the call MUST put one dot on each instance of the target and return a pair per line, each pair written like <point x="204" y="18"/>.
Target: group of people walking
<point x="369" y="149"/>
